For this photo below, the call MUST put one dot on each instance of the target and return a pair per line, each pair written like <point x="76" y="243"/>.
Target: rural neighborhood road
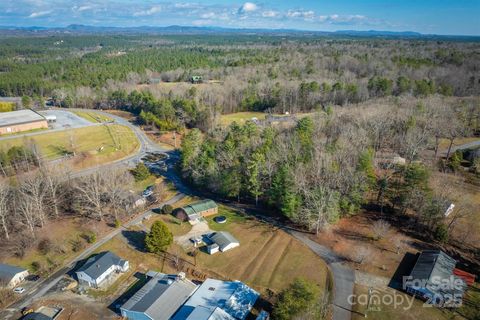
<point x="470" y="145"/>
<point x="343" y="277"/>
<point x="45" y="285"/>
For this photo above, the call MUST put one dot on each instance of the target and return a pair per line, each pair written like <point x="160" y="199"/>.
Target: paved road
<point x="343" y="277"/>
<point x="473" y="144"/>
<point x="146" y="146"/>
<point x="44" y="286"/>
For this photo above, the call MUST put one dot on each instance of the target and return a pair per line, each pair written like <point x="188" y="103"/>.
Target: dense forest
<point x="255" y="73"/>
<point x="353" y="100"/>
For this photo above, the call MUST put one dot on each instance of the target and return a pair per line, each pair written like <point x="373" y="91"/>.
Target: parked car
<point x="147" y="192"/>
<point x="33" y="277"/>
<point x="19" y="290"/>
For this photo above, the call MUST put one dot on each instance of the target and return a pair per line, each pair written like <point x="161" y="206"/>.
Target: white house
<point x="222" y="241"/>
<point x="99" y="268"/>
<point x="11" y="276"/>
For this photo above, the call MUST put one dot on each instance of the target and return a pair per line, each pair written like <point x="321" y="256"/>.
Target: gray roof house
<point x="159" y="298"/>
<point x="218" y="300"/>
<point x="432" y="269"/>
<point x="10" y="276"/>
<point x="100" y="268"/>
<point x="222" y="241"/>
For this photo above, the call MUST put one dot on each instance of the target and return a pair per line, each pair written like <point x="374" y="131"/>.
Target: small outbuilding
<point x="222" y="241"/>
<point x="196" y="210"/>
<point x="98" y="269"/>
<point x="11" y="276"/>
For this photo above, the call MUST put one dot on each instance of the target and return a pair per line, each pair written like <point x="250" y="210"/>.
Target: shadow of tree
<point x="136" y="239"/>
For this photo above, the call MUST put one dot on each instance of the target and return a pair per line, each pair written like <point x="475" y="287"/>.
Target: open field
<point x="96" y="144"/>
<point x="93" y="116"/>
<point x="240" y="117"/>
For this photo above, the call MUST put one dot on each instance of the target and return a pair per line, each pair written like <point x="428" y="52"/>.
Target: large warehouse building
<point x="21" y="120"/>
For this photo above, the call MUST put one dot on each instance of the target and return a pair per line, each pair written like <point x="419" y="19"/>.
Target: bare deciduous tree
<point x="380" y="229"/>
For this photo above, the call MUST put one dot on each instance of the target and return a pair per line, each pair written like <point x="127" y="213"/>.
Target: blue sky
<point x="460" y="17"/>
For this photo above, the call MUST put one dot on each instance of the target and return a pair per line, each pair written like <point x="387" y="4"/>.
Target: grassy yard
<point x="93" y="116"/>
<point x="383" y="310"/>
<point x="240" y="117"/>
<point x="176" y="226"/>
<point x="267" y="257"/>
<point x="98" y="144"/>
<point x="62" y="235"/>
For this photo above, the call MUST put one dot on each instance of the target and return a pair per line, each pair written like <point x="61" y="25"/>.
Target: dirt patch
<point x="77" y="307"/>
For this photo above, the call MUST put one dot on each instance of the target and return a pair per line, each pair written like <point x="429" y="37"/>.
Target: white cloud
<point x="270" y="14"/>
<point x="39" y="14"/>
<point x="248" y="7"/>
<point x="339" y="19"/>
<point x="149" y="12"/>
<point x="208" y="15"/>
<point x="303" y="14"/>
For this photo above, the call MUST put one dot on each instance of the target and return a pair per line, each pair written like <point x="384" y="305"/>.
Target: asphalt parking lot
<point x="65" y="119"/>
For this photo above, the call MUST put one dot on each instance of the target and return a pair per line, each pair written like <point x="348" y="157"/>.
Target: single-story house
<point x="194" y="211"/>
<point x="433" y="278"/>
<point x="99" y="268"/>
<point x="133" y="200"/>
<point x="11" y="276"/>
<point x="159" y="298"/>
<point x="21" y="120"/>
<point x="216" y="299"/>
<point x="221" y="241"/>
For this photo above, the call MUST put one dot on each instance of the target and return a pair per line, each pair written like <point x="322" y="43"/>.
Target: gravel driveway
<point x="197" y="230"/>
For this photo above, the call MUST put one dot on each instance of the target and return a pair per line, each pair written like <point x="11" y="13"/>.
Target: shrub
<point x="77" y="245"/>
<point x="117" y="223"/>
<point x="167" y="209"/>
<point x="140" y="172"/>
<point x="45" y="246"/>
<point x="90" y="237"/>
<point x="441" y="233"/>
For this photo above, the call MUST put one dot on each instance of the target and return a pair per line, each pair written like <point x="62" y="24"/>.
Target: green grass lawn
<point x="240" y="117"/>
<point x="233" y="217"/>
<point x="101" y="143"/>
<point x="93" y="116"/>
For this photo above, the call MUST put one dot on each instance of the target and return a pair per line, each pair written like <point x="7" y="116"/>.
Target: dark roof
<point x="36" y="316"/>
<point x="7" y="272"/>
<point x="161" y="296"/>
<point x="97" y="265"/>
<point x="434" y="266"/>
<point x="433" y="263"/>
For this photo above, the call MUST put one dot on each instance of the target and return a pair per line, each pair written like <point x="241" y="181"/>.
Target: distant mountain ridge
<point x="195" y="30"/>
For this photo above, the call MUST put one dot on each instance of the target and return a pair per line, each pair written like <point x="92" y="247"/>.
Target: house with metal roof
<point x="11" y="276"/>
<point x="159" y="298"/>
<point x="100" y="268"/>
<point x="196" y="210"/>
<point x="221" y="241"/>
<point x="433" y="279"/>
<point x="219" y="300"/>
